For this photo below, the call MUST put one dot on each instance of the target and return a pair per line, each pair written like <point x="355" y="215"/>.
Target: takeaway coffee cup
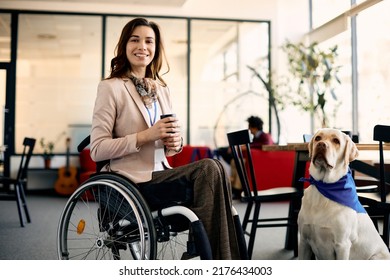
<point x="166" y="116"/>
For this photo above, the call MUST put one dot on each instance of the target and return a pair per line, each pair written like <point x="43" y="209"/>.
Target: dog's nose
<point x="321" y="145"/>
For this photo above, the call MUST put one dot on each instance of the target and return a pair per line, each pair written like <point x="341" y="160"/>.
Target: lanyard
<point x="155" y="114"/>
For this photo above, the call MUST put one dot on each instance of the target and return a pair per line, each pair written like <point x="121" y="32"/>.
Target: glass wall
<point x="5" y="37"/>
<point x="224" y="90"/>
<point x="373" y="51"/>
<point x="373" y="74"/>
<point x="58" y="68"/>
<point x="339" y="107"/>
<point x="59" y="61"/>
<point x="325" y="10"/>
<point x="5" y="57"/>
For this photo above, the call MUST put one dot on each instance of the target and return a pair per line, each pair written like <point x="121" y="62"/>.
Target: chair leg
<point x="23" y="197"/>
<point x="292" y="231"/>
<point x="240" y="238"/>
<point x="19" y="204"/>
<point x="385" y="235"/>
<point x="246" y="215"/>
<point x="253" y="229"/>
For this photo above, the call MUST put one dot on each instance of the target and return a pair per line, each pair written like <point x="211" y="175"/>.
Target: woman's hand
<point x="167" y="129"/>
<point x="171" y="136"/>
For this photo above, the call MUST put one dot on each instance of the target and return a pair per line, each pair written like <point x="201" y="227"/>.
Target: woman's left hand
<point x="173" y="142"/>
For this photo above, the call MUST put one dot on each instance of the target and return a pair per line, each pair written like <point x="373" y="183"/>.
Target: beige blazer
<point x="118" y="115"/>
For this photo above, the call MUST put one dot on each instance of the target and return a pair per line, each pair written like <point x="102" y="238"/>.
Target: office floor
<point x="37" y="240"/>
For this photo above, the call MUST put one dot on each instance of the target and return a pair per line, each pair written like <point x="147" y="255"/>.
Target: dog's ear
<point x="351" y="152"/>
<point x="310" y="146"/>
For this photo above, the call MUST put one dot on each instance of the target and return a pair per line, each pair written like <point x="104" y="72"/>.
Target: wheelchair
<point x="107" y="218"/>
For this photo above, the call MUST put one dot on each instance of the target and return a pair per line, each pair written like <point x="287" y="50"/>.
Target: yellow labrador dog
<point x="332" y="223"/>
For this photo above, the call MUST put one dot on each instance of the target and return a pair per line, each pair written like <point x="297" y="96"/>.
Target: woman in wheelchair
<point x="127" y="130"/>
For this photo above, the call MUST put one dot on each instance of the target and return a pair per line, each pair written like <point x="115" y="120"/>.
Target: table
<point x="302" y="157"/>
<point x="300" y="165"/>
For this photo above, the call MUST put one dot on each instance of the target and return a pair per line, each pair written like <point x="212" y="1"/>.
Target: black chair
<point x="239" y="143"/>
<point x="377" y="200"/>
<point x="19" y="182"/>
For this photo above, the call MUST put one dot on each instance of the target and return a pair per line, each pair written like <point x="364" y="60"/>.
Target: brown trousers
<point x="211" y="201"/>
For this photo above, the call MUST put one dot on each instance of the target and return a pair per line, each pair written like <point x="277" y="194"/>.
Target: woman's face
<point x="140" y="48"/>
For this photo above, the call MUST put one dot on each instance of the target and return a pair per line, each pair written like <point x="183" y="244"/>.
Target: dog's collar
<point x="343" y="191"/>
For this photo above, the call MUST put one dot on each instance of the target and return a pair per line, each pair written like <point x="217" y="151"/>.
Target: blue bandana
<point x="342" y="191"/>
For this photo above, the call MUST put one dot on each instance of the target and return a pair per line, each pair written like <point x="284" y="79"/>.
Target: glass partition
<point x="372" y="46"/>
<point x="339" y="105"/>
<point x="58" y="68"/>
<point x="5" y="37"/>
<point x="325" y="10"/>
<point x="373" y="69"/>
<point x="224" y="89"/>
<point x="59" y="63"/>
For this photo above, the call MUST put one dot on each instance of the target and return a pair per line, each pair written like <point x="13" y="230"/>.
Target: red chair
<point x="87" y="166"/>
<point x="189" y="154"/>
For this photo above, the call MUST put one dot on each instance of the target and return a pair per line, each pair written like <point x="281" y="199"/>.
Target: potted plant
<point x="47" y="148"/>
<point x="315" y="71"/>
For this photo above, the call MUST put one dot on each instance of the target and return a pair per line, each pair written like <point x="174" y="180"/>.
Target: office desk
<point x="300" y="165"/>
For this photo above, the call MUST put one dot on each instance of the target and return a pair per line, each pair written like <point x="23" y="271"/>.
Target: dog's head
<point x="330" y="152"/>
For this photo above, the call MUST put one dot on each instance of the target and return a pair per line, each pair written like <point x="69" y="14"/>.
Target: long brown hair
<point x="120" y="64"/>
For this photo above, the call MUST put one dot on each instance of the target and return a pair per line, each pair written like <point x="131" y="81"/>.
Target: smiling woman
<point x="126" y="133"/>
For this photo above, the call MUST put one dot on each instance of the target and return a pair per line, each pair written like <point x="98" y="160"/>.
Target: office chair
<point x="19" y="182"/>
<point x="239" y="143"/>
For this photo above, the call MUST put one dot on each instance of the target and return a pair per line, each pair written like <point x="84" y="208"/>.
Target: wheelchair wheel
<point x="106" y="218"/>
<point x="175" y="248"/>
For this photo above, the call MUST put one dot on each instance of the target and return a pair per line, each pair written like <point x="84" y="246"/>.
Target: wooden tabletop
<point x="304" y="147"/>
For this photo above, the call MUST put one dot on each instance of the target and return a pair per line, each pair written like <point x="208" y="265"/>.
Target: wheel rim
<point x="88" y="230"/>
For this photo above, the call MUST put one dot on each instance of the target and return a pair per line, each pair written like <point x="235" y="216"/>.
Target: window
<point x="5" y="37"/>
<point x="224" y="91"/>
<point x="339" y="109"/>
<point x="58" y="68"/>
<point x="325" y="10"/>
<point x="373" y="75"/>
<point x="373" y="46"/>
<point x="59" y="65"/>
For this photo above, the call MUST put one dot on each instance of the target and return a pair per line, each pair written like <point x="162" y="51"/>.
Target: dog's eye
<point x="336" y="141"/>
<point x="318" y="138"/>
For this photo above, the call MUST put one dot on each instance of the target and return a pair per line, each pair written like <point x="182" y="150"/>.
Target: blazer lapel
<point x="137" y="99"/>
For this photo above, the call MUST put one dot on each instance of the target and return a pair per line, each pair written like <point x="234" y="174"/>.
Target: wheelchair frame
<point x="107" y="217"/>
<point x="91" y="227"/>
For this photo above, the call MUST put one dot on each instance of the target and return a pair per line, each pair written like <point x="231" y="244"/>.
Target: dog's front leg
<point x="342" y="251"/>
<point x="304" y="251"/>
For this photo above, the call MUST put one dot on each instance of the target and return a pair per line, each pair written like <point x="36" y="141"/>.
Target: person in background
<point x="127" y="131"/>
<point x="260" y="138"/>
